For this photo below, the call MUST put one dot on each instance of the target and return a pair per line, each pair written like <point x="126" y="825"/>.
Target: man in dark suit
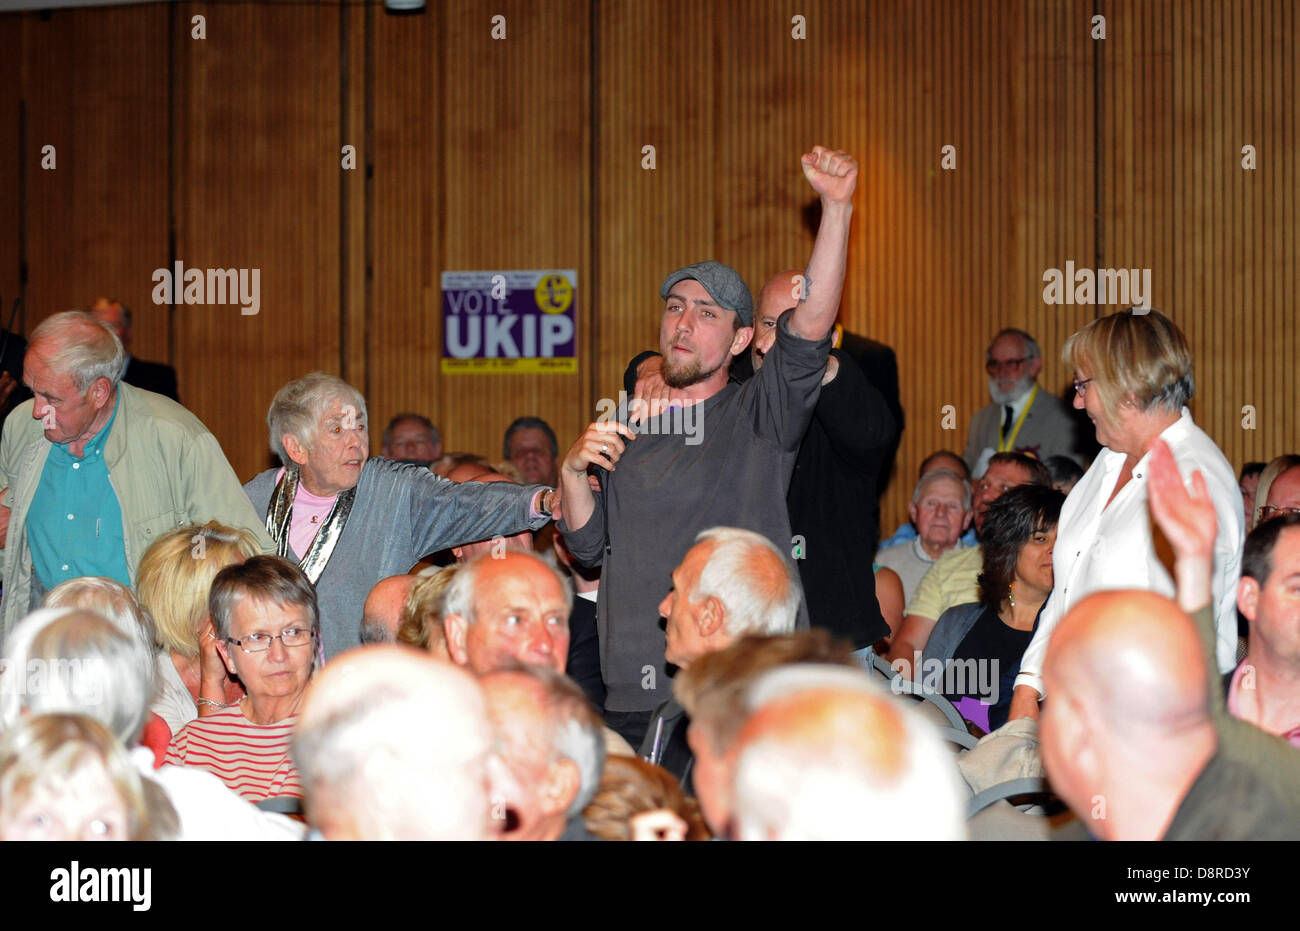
<point x="151" y="376"/>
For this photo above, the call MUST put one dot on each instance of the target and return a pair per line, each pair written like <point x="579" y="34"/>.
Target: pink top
<point x="251" y="759"/>
<point x="309" y="512"/>
<point x="1234" y="704"/>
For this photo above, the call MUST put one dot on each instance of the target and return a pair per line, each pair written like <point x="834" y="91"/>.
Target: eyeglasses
<point x="1265" y="513"/>
<point x="993" y="366"/>
<point x="1081" y="387"/>
<point x="260" y="643"/>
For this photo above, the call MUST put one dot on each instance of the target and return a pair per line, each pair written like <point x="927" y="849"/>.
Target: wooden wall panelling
<point x="15" y="160"/>
<point x="95" y="85"/>
<point x="257" y="148"/>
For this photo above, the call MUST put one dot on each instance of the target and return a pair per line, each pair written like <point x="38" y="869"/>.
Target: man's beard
<point x="685" y="375"/>
<point x="1018" y="391"/>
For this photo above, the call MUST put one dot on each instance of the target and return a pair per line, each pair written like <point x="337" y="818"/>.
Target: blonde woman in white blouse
<point x="1133" y="375"/>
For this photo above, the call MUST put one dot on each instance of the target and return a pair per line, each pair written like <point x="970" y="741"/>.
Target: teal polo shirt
<point x="74" y="527"/>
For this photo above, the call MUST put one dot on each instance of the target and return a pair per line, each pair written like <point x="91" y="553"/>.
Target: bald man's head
<point x="825" y="755"/>
<point x="365" y="776"/>
<point x="382" y="613"/>
<point x="1127" y="711"/>
<point x="781" y="293"/>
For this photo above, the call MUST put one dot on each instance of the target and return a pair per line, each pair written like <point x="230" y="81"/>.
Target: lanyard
<point x="1005" y="445"/>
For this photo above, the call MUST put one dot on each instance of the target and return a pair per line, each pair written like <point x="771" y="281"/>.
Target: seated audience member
<point x="65" y="777"/>
<point x="93" y="668"/>
<point x="1279" y="489"/>
<point x="114" y="602"/>
<point x="173" y="582"/>
<point x="1065" y="472"/>
<point x="825" y="755"/>
<point x="421" y="625"/>
<point x="412" y="438"/>
<point x="507" y="611"/>
<point x="730" y="583"/>
<point x="1264" y="689"/>
<point x="941" y="513"/>
<point x="953" y="579"/>
<point x="941" y="459"/>
<point x="713" y="691"/>
<point x="267" y="622"/>
<point x="531" y="445"/>
<point x="637" y="800"/>
<point x="350" y="520"/>
<point x="499" y="613"/>
<point x="551" y="751"/>
<point x="521" y="541"/>
<point x="1251" y="473"/>
<point x="1128" y="721"/>
<point x="363" y="775"/>
<point x="982" y="642"/>
<point x="382" y="612"/>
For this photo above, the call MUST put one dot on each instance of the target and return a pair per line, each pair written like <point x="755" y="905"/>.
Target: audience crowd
<point x="679" y="625"/>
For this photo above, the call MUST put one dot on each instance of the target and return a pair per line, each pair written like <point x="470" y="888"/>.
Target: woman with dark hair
<point x="974" y="652"/>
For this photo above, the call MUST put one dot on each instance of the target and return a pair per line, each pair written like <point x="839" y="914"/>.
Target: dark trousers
<point x="630" y="725"/>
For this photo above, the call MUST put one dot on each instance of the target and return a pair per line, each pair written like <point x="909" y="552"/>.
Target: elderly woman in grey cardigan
<point x="349" y="520"/>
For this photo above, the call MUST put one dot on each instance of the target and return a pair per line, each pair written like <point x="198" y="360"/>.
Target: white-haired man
<point x="96" y="469"/>
<point x="941" y="511"/>
<point x="550" y="751"/>
<point x="826" y="755"/>
<point x="363" y="775"/>
<point x="731" y="583"/>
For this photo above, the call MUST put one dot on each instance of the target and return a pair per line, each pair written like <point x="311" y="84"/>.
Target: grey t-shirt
<point x="725" y="462"/>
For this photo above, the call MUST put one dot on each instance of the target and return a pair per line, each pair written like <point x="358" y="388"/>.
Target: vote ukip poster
<point x="509" y="321"/>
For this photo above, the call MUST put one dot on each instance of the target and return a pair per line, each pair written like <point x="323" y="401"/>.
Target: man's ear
<point x="711" y="617"/>
<point x="1248" y="597"/>
<point x="562" y="785"/>
<point x="101" y="389"/>
<point x="970" y="516"/>
<point x="741" y="340"/>
<point x="297" y="452"/>
<point x="1035" y="366"/>
<point x="456" y="630"/>
<point x="912" y="512"/>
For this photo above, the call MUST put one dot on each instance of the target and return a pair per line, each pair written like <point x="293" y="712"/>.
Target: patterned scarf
<point x="280" y="518"/>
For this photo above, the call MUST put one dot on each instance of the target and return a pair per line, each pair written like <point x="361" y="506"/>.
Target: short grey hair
<point x="949" y="474"/>
<point x="264" y="578"/>
<point x="108" y="598"/>
<point x="85" y="665"/>
<point x="1031" y="345"/>
<point x="458" y="598"/>
<point x="577" y="731"/>
<point x="82" y="346"/>
<point x="755" y="601"/>
<point x="297" y="408"/>
<point x="818" y="788"/>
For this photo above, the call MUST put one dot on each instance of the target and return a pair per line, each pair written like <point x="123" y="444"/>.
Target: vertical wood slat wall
<point x="527" y="153"/>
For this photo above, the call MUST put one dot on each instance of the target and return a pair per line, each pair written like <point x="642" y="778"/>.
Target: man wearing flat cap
<point x="721" y="455"/>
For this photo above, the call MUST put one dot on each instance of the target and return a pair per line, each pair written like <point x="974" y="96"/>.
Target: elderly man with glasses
<point x="1023" y="418"/>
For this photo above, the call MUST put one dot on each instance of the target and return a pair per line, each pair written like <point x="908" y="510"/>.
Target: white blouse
<point x="1100" y="548"/>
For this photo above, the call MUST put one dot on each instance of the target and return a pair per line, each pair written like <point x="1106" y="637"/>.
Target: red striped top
<point x="252" y="759"/>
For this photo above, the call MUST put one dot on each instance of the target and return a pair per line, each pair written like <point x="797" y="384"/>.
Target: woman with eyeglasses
<point x="267" y="627"/>
<point x="1133" y="376"/>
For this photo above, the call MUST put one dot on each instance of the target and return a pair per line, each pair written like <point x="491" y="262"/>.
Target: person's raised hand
<point x="832" y="173"/>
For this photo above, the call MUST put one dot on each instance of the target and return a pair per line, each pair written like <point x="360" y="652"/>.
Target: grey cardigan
<point x="402" y="513"/>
